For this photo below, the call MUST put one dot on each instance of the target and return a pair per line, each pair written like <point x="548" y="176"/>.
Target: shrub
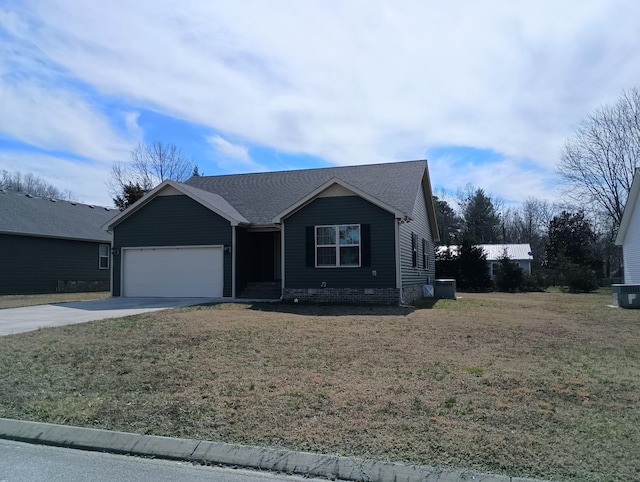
<point x="537" y="281"/>
<point x="580" y="278"/>
<point x="509" y="275"/>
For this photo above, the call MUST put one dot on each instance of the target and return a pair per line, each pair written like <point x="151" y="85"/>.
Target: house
<point x="48" y="246"/>
<point x="359" y="233"/>
<point x="629" y="233"/>
<point x="519" y="253"/>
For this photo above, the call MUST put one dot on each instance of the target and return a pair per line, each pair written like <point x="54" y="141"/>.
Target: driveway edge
<point x="245" y="456"/>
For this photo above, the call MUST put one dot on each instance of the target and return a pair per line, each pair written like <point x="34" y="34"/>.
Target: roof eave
<point x="69" y="238"/>
<point x="431" y="208"/>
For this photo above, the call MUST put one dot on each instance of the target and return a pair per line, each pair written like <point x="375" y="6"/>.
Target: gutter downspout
<point x="398" y="263"/>
<point x="282" y="251"/>
<point x="233" y="262"/>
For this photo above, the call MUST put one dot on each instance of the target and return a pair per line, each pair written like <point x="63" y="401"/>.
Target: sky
<point x="487" y="91"/>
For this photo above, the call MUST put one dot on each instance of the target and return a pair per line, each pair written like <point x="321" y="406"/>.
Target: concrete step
<point x="268" y="290"/>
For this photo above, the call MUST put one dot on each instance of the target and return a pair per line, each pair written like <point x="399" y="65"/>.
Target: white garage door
<point x="172" y="272"/>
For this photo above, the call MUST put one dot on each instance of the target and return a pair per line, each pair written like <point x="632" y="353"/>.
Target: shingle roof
<point x="260" y="197"/>
<point x="216" y="201"/>
<point x="22" y="214"/>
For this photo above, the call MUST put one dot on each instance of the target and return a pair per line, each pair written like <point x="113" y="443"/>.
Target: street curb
<point x="246" y="456"/>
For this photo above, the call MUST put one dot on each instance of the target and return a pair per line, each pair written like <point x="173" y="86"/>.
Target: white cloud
<point x="349" y="82"/>
<point x="86" y="181"/>
<point x="231" y="156"/>
<point x="57" y="119"/>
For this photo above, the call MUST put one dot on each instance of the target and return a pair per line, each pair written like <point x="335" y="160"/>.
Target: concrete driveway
<point x="18" y="320"/>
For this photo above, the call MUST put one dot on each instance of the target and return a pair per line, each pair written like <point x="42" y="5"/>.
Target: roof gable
<point x="27" y="215"/>
<point x="629" y="208"/>
<point x="327" y="185"/>
<point x="212" y="201"/>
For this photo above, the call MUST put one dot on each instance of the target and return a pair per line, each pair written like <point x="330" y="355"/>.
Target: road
<point x="22" y="462"/>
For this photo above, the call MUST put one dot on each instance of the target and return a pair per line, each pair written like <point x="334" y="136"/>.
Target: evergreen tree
<point x="473" y="269"/>
<point x="571" y="253"/>
<point x="449" y="223"/>
<point x="130" y="194"/>
<point x="509" y="275"/>
<point x="481" y="219"/>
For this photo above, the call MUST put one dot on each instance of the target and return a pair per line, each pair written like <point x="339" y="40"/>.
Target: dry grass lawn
<point x="17" y="301"/>
<point x="541" y="384"/>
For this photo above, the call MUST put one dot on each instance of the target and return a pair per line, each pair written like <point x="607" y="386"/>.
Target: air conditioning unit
<point x="445" y="288"/>
<point x="626" y="295"/>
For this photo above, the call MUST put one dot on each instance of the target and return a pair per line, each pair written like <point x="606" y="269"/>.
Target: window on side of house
<point x="425" y="257"/>
<point x="103" y="256"/>
<point x="414" y="250"/>
<point x="337" y="246"/>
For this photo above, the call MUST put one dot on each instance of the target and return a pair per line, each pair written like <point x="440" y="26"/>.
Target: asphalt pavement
<point x="29" y="318"/>
<point x="40" y="463"/>
<point x="271" y="459"/>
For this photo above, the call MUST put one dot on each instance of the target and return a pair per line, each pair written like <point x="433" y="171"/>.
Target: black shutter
<point x="365" y="244"/>
<point x="424" y="254"/>
<point x="311" y="247"/>
<point x="414" y="250"/>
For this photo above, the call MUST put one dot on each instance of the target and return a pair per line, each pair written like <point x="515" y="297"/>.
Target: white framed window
<point x="337" y="246"/>
<point x="103" y="256"/>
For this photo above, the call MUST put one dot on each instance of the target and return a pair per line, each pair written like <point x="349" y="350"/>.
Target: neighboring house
<point x="520" y="253"/>
<point x="629" y="233"/>
<point x="361" y="233"/>
<point x="47" y="246"/>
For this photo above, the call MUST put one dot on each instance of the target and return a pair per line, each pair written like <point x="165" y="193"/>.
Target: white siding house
<point x="629" y="233"/>
<point x="519" y="253"/>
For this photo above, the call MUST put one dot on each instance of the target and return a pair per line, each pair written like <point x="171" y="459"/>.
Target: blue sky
<point x="487" y="91"/>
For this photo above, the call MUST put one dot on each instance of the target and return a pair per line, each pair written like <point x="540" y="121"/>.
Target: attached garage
<point x="173" y="272"/>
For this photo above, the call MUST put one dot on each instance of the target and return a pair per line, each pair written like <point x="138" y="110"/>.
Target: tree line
<point x="573" y="242"/>
<point x="566" y="245"/>
<point x="33" y="184"/>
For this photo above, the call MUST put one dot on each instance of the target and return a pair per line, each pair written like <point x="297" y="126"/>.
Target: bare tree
<point x="598" y="162"/>
<point x="30" y="183"/>
<point x="150" y="165"/>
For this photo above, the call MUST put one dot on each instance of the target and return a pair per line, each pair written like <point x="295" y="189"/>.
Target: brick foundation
<point x="412" y="293"/>
<point x="82" y="286"/>
<point x="383" y="296"/>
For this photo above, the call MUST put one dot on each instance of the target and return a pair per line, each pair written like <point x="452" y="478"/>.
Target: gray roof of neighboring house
<point x="496" y="251"/>
<point x="35" y="216"/>
<point x="259" y="197"/>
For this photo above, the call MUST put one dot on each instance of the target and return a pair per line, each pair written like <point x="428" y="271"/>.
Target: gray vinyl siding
<point x="340" y="210"/>
<point x="172" y="221"/>
<point x="421" y="226"/>
<point x="33" y="265"/>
